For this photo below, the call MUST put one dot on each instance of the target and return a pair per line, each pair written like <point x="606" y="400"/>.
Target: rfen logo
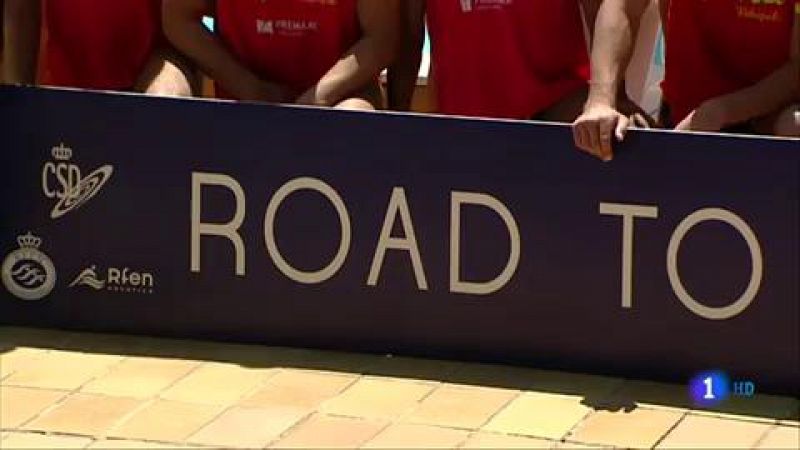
<point x="116" y="280"/>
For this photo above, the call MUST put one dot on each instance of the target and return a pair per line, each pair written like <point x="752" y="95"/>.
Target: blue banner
<point x="468" y="239"/>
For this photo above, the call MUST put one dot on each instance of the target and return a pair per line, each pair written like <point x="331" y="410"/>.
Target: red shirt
<point x="289" y="42"/>
<point x="506" y="58"/>
<point x="715" y="47"/>
<point x="99" y="44"/>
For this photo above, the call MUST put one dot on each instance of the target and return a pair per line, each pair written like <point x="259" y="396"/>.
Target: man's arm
<point x="403" y="74"/>
<point x="590" y="10"/>
<point x="615" y="34"/>
<point x="184" y="28"/>
<point x="21" y="30"/>
<point x="365" y="60"/>
<point x="768" y="96"/>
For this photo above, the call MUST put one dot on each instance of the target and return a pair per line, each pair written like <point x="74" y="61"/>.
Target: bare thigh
<point x="785" y="123"/>
<point x="168" y="74"/>
<point x="368" y="99"/>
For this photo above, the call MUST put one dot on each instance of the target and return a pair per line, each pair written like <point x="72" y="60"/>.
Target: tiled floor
<point x="71" y="390"/>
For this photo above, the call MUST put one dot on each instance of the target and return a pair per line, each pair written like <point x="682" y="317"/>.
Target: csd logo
<point x="62" y="180"/>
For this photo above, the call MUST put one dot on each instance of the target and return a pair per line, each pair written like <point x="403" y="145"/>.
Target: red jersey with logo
<point x="289" y="42"/>
<point x="99" y="44"/>
<point x="715" y="47"/>
<point x="506" y="58"/>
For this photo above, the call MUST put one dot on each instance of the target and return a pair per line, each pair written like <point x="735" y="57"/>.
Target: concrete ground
<point x="72" y="390"/>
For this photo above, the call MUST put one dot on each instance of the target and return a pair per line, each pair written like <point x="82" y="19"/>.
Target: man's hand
<point x="595" y="128"/>
<point x="709" y="116"/>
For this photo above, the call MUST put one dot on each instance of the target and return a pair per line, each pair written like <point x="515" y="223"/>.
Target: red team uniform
<point x="506" y="58"/>
<point x="715" y="47"/>
<point x="99" y="44"/>
<point x="289" y="42"/>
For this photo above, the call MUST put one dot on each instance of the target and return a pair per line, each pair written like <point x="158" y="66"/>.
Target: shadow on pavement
<point x="598" y="392"/>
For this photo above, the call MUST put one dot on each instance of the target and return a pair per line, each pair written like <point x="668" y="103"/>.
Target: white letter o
<point x="269" y="230"/>
<point x="757" y="272"/>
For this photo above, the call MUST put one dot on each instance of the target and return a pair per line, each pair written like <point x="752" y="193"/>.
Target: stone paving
<point x="73" y="390"/>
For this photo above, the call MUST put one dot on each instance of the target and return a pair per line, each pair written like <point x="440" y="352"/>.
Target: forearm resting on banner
<point x="615" y="32"/>
<point x="403" y="74"/>
<point x="362" y="64"/>
<point x="184" y="28"/>
<point x="21" y="29"/>
<point x="771" y="104"/>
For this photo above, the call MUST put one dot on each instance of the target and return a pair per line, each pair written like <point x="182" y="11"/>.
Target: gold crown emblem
<point x="29" y="241"/>
<point x="62" y="152"/>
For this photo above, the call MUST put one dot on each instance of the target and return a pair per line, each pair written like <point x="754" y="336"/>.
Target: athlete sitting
<point x="313" y="52"/>
<point x="731" y="65"/>
<point x="93" y="44"/>
<point x="517" y="59"/>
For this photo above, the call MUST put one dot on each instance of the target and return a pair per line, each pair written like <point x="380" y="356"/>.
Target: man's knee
<point x="788" y="122"/>
<point x="172" y="81"/>
<point x="356" y="103"/>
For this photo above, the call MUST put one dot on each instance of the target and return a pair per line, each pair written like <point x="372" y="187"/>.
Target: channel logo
<point x="62" y="181"/>
<point x="714" y="387"/>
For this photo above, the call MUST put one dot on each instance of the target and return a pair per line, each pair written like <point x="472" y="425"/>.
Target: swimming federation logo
<point x="28" y="273"/>
<point x="72" y="190"/>
<point x="89" y="278"/>
<point x="123" y="281"/>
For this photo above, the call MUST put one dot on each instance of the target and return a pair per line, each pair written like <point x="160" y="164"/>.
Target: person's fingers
<point x="686" y="123"/>
<point x="638" y="120"/>
<point x="593" y="139"/>
<point x="606" y="128"/>
<point x="622" y="128"/>
<point x="576" y="134"/>
<point x="583" y="137"/>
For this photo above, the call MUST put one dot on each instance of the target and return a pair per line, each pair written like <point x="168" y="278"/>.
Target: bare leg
<point x="168" y="74"/>
<point x="369" y="99"/>
<point x="788" y="122"/>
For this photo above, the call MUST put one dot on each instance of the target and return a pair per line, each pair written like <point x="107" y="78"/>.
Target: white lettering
<point x="330" y="270"/>
<point x="756" y="258"/>
<point x="628" y="213"/>
<point x="465" y="287"/>
<point x="227" y="230"/>
<point x="398" y="203"/>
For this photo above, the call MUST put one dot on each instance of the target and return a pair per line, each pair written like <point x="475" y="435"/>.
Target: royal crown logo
<point x="61" y="152"/>
<point x="28" y="273"/>
<point x="29" y="241"/>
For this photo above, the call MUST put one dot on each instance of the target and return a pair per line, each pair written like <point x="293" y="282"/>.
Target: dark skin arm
<point x="183" y="27"/>
<point x="776" y="91"/>
<point x="21" y="35"/>
<point x="365" y="60"/>
<point x="402" y="75"/>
